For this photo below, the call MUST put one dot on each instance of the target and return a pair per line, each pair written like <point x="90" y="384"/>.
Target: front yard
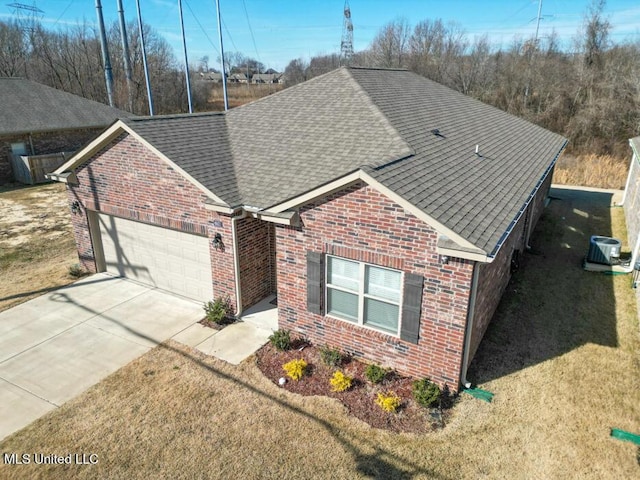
<point x="36" y="243"/>
<point x="562" y="358"/>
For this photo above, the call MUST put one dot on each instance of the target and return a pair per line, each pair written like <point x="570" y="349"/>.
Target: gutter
<point x="468" y="334"/>
<point x="523" y="209"/>
<point x="236" y="261"/>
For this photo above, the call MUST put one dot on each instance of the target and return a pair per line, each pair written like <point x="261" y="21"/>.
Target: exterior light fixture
<point x="217" y="242"/>
<point x="75" y="207"/>
<point x="444" y="259"/>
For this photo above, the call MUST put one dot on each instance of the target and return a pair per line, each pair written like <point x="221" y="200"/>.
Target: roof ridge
<point x="173" y="116"/>
<point x="289" y="89"/>
<point x="388" y="69"/>
<point x="386" y="124"/>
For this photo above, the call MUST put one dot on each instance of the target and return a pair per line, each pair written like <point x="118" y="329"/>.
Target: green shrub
<point x="295" y="368"/>
<point x="330" y="356"/>
<point x="219" y="310"/>
<point x="340" y="382"/>
<point x="388" y="401"/>
<point x="281" y="340"/>
<point x="76" y="270"/>
<point x="375" y="373"/>
<point x="426" y="392"/>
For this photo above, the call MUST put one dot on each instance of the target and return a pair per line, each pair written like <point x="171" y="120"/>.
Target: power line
<point x="230" y="37"/>
<point x="202" y="28"/>
<point x="251" y="30"/>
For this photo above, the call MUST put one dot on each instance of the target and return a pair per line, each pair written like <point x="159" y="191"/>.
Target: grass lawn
<point x="36" y="242"/>
<point x="562" y="358"/>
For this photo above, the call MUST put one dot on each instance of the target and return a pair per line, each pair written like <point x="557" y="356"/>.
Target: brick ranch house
<point x="631" y="203"/>
<point x="384" y="209"/>
<point x="37" y="120"/>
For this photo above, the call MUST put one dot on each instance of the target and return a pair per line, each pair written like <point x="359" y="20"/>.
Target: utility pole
<point x="108" y="75"/>
<point x="346" y="44"/>
<point x="224" y="78"/>
<point x="144" y="59"/>
<point x="125" y="53"/>
<point x="538" y="22"/>
<point x="186" y="60"/>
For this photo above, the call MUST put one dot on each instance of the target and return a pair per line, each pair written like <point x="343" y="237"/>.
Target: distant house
<point x="266" y="78"/>
<point x="237" y="78"/>
<point x="40" y="127"/>
<point x="214" y="77"/>
<point x="383" y="209"/>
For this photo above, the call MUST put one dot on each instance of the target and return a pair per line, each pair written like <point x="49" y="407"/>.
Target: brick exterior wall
<point x="362" y="224"/>
<point x="48" y="142"/>
<point x="632" y="202"/>
<point x="494" y="277"/>
<point x="127" y="180"/>
<point x="632" y="207"/>
<point x="257" y="269"/>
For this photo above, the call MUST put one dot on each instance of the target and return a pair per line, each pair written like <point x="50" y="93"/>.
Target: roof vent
<point x="437" y="133"/>
<point x="604" y="250"/>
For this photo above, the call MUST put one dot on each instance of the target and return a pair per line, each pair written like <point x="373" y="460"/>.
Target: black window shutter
<point x="411" y="307"/>
<point x="314" y="282"/>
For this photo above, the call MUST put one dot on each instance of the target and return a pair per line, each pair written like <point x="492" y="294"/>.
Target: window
<point x="364" y="294"/>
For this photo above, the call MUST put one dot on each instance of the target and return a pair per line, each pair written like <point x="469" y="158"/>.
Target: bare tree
<point x="14" y="51"/>
<point x="295" y="72"/>
<point x="390" y="47"/>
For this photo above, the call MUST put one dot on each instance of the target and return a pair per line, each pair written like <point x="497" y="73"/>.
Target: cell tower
<point x="346" y="45"/>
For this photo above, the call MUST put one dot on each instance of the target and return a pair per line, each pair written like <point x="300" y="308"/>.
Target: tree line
<point x="71" y="60"/>
<point x="591" y="95"/>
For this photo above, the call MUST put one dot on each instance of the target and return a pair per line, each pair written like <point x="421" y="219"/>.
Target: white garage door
<point x="175" y="261"/>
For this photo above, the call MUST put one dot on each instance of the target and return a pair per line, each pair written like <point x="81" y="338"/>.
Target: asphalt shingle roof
<point x="199" y="144"/>
<point x="286" y="144"/>
<point x="414" y="136"/>
<point x="476" y="196"/>
<point x="30" y="107"/>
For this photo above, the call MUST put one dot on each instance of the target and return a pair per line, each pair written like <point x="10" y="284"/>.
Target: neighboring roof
<point x="414" y="138"/>
<point x="30" y="107"/>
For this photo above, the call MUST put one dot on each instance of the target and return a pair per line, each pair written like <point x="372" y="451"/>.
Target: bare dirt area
<point x="36" y="242"/>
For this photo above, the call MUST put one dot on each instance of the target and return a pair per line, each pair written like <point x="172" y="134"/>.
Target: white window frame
<point x="362" y="294"/>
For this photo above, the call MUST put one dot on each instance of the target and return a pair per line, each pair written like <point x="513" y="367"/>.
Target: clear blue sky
<point x="286" y="29"/>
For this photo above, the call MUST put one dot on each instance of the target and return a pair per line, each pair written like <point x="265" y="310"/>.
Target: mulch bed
<point x="360" y="398"/>
<point x="214" y="325"/>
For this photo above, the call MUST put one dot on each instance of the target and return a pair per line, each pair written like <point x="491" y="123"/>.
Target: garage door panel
<point x="167" y="259"/>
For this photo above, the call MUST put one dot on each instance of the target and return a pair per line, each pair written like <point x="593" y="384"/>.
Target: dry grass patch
<point x="562" y="358"/>
<point x="36" y="242"/>
<point x="602" y="171"/>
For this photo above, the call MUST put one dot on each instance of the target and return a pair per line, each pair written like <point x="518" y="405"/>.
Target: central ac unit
<point x="604" y="250"/>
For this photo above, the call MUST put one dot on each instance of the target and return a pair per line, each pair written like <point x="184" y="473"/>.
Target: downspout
<point x="634" y="259"/>
<point x="236" y="261"/>
<point x="468" y="334"/>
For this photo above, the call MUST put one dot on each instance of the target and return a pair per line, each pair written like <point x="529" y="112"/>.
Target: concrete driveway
<point x="54" y="347"/>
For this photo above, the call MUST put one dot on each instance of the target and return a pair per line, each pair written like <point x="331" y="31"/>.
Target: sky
<point x="277" y="31"/>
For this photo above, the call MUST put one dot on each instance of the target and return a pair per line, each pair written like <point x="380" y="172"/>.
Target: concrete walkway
<point x="56" y="346"/>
